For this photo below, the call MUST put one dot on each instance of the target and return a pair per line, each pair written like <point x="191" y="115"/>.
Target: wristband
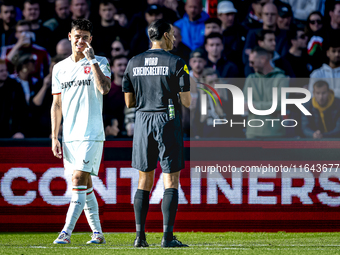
<point x="93" y="61"/>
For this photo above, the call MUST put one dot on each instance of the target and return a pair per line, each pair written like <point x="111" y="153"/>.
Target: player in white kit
<point x="78" y="85"/>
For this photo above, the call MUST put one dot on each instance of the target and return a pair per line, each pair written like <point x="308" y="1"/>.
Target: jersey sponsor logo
<point x="145" y="71"/>
<point x="85" y="64"/>
<point x="69" y="84"/>
<point x="186" y="69"/>
<point x="150" y="61"/>
<point x="87" y="69"/>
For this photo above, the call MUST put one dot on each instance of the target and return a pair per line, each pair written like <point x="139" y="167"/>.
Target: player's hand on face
<point x="89" y="52"/>
<point x="56" y="148"/>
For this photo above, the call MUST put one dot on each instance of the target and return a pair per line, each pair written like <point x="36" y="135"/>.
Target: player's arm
<point x="130" y="99"/>
<point x="56" y="116"/>
<point x="186" y="96"/>
<point x="184" y="82"/>
<point x="129" y="92"/>
<point x="102" y="82"/>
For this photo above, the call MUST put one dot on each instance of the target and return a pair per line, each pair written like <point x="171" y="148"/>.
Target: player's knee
<point x="80" y="178"/>
<point x="146" y="180"/>
<point x="171" y="181"/>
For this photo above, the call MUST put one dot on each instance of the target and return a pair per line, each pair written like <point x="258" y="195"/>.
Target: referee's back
<point x="156" y="76"/>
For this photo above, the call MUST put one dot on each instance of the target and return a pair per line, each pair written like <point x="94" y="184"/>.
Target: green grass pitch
<point x="200" y="243"/>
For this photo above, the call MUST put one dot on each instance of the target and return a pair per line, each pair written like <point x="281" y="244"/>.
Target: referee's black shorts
<point x="156" y="137"/>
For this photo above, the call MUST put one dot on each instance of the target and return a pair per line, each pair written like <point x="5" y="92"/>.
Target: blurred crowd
<point x="258" y="44"/>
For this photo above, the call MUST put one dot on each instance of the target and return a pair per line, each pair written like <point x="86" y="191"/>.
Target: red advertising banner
<point x="241" y="186"/>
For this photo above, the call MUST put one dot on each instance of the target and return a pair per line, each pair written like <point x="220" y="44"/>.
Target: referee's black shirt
<point x="156" y="76"/>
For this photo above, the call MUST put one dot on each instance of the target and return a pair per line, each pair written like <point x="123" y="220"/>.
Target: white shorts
<point x="83" y="155"/>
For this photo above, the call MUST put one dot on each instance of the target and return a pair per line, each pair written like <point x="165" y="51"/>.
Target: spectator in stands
<point x="80" y="9"/>
<point x="31" y="13"/>
<point x="114" y="102"/>
<point x="317" y="34"/>
<point x="121" y="18"/>
<point x="331" y="71"/>
<point x="180" y="49"/>
<point x="214" y="47"/>
<point x="119" y="47"/>
<point x="325" y="109"/>
<point x="25" y="67"/>
<point x="297" y="55"/>
<point x="107" y="30"/>
<point x="334" y="14"/>
<point x="234" y="35"/>
<point x="140" y="41"/>
<point x="226" y="12"/>
<point x="254" y="17"/>
<point x="64" y="48"/>
<point x="23" y="46"/>
<point x="212" y="25"/>
<point x="266" y="39"/>
<point x="269" y="16"/>
<point x="285" y="18"/>
<point x="41" y="103"/>
<point x="13" y="107"/>
<point x="192" y="24"/>
<point x="214" y="111"/>
<point x="112" y="130"/>
<point x="130" y="114"/>
<point x="197" y="63"/>
<point x="263" y="81"/>
<point x="175" y="6"/>
<point x="60" y="24"/>
<point x="7" y="23"/>
<point x="303" y="8"/>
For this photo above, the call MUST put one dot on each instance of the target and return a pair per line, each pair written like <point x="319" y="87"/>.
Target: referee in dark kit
<point x="152" y="83"/>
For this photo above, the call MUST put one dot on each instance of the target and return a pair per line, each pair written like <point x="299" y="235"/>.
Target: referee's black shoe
<point x="140" y="243"/>
<point x="173" y="243"/>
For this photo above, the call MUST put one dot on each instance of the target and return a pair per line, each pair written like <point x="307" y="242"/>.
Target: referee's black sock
<point x="141" y="206"/>
<point x="169" y="209"/>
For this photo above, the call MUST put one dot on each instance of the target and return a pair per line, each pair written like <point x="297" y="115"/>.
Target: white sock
<point x="75" y="209"/>
<point x="92" y="211"/>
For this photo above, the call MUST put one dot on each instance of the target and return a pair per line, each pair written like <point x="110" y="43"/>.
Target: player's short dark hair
<point x="82" y="24"/>
<point x="23" y="23"/>
<point x="260" y="35"/>
<point x="213" y="20"/>
<point x="261" y="52"/>
<point x="118" y="57"/>
<point x="320" y="83"/>
<point x="157" y="29"/>
<point x="211" y="36"/>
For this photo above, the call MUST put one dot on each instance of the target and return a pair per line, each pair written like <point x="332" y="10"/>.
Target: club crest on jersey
<point x="87" y="69"/>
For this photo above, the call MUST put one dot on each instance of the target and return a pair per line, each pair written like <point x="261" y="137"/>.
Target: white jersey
<point x="82" y="102"/>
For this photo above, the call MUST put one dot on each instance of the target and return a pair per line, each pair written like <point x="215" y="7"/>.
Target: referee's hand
<point x="89" y="52"/>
